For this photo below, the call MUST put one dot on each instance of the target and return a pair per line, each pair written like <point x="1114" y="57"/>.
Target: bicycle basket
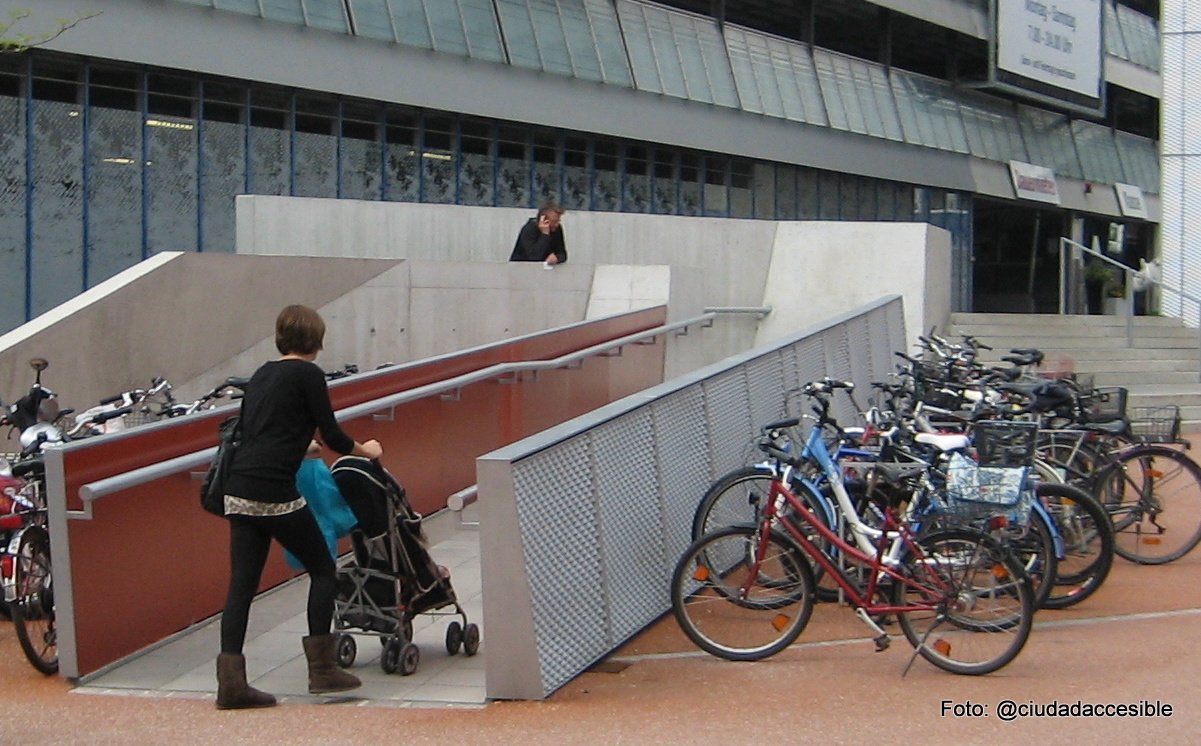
<point x="1000" y="443"/>
<point x="1103" y="405"/>
<point x="975" y="492"/>
<point x="1156" y="424"/>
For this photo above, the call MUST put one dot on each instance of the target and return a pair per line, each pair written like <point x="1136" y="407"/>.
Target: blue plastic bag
<point x="316" y="484"/>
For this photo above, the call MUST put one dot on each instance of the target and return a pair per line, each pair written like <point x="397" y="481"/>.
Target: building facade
<point x="132" y="132"/>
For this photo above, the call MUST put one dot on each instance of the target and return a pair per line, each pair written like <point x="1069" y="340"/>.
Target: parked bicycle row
<point x="964" y="500"/>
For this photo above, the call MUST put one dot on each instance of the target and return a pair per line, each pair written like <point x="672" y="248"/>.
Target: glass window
<point x="606" y="183"/>
<point x="411" y="24"/>
<point x="114" y="193"/>
<point x="636" y="195"/>
<point x="764" y="186"/>
<point x="172" y="162"/>
<point x="372" y="19"/>
<point x="577" y="179"/>
<point x="514" y="168"/>
<point x="857" y="95"/>
<point x="12" y="206"/>
<point x="786" y="192"/>
<point x="56" y="269"/>
<point x="438" y="167"/>
<point x="992" y="128"/>
<point x="610" y="45"/>
<point x="222" y="164"/>
<point x="1048" y="140"/>
<point x="678" y="53"/>
<point x="329" y="15"/>
<point x="288" y="11"/>
<point x="361" y="157"/>
<point x="829" y="196"/>
<point x="477" y="181"/>
<point x="663" y="184"/>
<point x="1098" y="151"/>
<point x="520" y="40"/>
<point x="691" y="183"/>
<point x="775" y="76"/>
<point x="1140" y="161"/>
<point x="929" y="113"/>
<point x="239" y="6"/>
<point x="546" y="169"/>
<point x="742" y="197"/>
<point x="402" y="164"/>
<point x="316" y="144"/>
<point x="483" y="35"/>
<point x="716" y="195"/>
<point x="1114" y="44"/>
<point x="1141" y="36"/>
<point x="270" y="156"/>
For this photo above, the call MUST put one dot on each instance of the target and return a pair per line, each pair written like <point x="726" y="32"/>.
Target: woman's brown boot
<point x="324" y="674"/>
<point x="233" y="693"/>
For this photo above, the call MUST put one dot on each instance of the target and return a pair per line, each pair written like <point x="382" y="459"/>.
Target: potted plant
<point x="1097" y="278"/>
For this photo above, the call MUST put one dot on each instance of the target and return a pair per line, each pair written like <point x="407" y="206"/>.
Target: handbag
<point x="212" y="489"/>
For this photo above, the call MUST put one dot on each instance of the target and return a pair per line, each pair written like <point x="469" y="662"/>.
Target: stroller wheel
<point x="390" y="659"/>
<point x="410" y="656"/>
<point x="471" y="639"/>
<point x="347" y="650"/>
<point x="454" y="638"/>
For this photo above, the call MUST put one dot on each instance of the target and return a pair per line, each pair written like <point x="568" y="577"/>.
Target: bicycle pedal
<point x="882" y="643"/>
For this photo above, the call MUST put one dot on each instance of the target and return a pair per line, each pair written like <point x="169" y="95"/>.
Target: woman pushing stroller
<point x="286" y="401"/>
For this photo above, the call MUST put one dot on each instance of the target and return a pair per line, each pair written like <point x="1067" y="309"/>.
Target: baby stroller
<point x="391" y="578"/>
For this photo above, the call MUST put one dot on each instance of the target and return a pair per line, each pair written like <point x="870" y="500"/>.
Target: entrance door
<point x="1016" y="260"/>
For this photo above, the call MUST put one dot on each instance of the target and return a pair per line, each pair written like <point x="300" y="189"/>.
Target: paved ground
<point x="1137" y="640"/>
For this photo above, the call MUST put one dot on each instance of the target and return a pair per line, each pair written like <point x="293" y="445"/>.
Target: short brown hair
<point x="299" y="330"/>
<point x="551" y="206"/>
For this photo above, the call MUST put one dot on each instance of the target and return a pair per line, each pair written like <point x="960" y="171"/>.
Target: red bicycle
<point x="746" y="592"/>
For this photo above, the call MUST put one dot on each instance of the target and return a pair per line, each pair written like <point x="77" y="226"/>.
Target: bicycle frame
<point x="880" y="565"/>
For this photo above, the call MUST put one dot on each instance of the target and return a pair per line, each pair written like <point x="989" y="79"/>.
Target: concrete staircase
<point x="1163" y="366"/>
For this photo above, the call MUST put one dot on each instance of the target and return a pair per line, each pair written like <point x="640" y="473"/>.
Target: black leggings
<point x="249" y="541"/>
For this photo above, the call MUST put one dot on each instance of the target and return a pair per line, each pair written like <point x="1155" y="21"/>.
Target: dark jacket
<point x="286" y="402"/>
<point x="535" y="246"/>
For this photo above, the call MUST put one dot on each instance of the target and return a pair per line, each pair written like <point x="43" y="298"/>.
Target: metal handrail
<point x="101" y="487"/>
<point x="1130" y="273"/>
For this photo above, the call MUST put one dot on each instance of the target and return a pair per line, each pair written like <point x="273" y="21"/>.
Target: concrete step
<point x="1162" y="368"/>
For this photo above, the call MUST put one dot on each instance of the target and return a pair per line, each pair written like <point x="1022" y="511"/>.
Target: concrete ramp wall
<point x="174" y="315"/>
<point x="806" y="270"/>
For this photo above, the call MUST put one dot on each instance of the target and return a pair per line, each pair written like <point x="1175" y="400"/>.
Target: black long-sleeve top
<point x="286" y="402"/>
<point x="535" y="246"/>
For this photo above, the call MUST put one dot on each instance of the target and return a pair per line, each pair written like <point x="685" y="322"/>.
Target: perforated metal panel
<point x="605" y="510"/>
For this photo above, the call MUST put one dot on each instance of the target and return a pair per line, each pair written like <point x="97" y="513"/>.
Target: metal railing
<point x="201" y="459"/>
<point x="1071" y="252"/>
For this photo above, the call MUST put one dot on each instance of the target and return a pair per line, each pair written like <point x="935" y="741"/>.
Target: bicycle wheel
<point x="973" y="604"/>
<point x="738" y="607"/>
<point x="1088" y="543"/>
<point x="732" y="500"/>
<point x="33" y="608"/>
<point x="737" y="498"/>
<point x="1033" y="546"/>
<point x="1156" y="511"/>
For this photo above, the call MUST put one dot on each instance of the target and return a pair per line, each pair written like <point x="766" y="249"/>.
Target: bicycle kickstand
<point x="881" y="639"/>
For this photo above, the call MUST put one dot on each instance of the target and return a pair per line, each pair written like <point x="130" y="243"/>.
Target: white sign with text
<point x="1034" y="182"/>
<point x="1057" y="42"/>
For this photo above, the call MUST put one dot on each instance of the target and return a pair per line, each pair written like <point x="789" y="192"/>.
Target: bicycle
<point x="746" y="592"/>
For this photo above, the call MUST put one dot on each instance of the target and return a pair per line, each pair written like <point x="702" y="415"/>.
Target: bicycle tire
<point x="1156" y="513"/>
<point x="1034" y="548"/>
<point x="983" y="603"/>
<point x="732" y="500"/>
<point x="1088" y="544"/>
<point x="32" y="610"/>
<point x="737" y="498"/>
<point x="723" y="604"/>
